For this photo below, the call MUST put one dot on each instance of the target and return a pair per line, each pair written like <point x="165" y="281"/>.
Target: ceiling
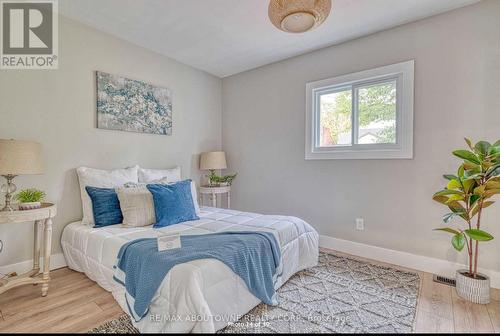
<point x="225" y="37"/>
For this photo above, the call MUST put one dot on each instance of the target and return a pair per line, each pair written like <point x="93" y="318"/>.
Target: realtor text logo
<point x="29" y="34"/>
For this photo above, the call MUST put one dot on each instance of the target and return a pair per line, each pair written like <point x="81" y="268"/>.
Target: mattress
<point x="198" y="296"/>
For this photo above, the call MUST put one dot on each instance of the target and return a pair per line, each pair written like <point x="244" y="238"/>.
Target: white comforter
<point x="199" y="296"/>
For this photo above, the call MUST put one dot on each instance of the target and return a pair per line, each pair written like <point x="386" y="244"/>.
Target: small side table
<point x="42" y="219"/>
<point x="213" y="192"/>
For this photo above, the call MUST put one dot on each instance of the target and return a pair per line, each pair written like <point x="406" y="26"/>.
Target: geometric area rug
<point x="341" y="295"/>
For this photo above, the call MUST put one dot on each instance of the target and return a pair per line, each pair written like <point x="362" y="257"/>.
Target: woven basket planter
<point x="474" y="290"/>
<point x="30" y="205"/>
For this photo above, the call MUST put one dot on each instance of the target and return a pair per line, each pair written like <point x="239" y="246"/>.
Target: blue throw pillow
<point x="105" y="206"/>
<point x="173" y="203"/>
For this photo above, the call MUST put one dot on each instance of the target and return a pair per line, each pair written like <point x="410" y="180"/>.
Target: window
<point x="365" y="115"/>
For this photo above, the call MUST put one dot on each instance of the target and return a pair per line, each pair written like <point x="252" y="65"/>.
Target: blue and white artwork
<point x="129" y="105"/>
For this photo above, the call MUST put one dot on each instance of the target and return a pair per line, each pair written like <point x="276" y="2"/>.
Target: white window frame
<point x="403" y="73"/>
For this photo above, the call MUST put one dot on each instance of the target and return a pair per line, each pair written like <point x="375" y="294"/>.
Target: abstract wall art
<point x="134" y="106"/>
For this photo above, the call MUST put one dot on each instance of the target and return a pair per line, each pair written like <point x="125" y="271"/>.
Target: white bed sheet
<point x="199" y="296"/>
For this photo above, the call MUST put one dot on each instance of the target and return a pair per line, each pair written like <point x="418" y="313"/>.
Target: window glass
<point x="377" y="114"/>
<point x="335" y="127"/>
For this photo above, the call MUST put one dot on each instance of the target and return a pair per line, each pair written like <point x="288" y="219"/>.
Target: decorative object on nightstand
<point x="18" y="157"/>
<point x="42" y="220"/>
<point x="30" y="199"/>
<point x="221" y="181"/>
<point x="217" y="185"/>
<point x="212" y="161"/>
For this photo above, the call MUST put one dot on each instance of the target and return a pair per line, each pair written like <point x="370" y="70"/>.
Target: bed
<point x="199" y="296"/>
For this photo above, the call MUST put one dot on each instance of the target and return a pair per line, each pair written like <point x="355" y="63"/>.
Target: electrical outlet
<point x="360" y="224"/>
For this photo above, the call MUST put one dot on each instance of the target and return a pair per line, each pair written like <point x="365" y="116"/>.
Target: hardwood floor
<point x="77" y="304"/>
<point x="74" y="304"/>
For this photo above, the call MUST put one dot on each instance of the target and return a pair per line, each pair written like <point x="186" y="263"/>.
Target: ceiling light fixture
<point x="298" y="16"/>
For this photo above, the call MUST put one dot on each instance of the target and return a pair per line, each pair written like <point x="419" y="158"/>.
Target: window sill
<point x="360" y="154"/>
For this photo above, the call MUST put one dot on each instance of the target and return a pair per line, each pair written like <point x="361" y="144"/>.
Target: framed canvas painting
<point x="134" y="106"/>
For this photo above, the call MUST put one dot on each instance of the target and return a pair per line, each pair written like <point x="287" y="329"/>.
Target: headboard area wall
<point x="58" y="109"/>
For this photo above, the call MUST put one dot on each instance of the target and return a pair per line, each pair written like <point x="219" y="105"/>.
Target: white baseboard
<point x="404" y="259"/>
<point x="56" y="261"/>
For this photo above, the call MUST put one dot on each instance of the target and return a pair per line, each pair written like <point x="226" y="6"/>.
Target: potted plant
<point x="227" y="180"/>
<point x="467" y="194"/>
<point x="30" y="199"/>
<point x="216" y="180"/>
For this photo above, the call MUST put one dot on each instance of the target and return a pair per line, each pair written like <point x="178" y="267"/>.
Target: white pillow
<point x="194" y="195"/>
<point x="102" y="179"/>
<point x="151" y="175"/>
<point x="137" y="206"/>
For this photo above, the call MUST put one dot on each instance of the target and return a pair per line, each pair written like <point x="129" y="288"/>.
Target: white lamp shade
<point x="213" y="160"/>
<point x="20" y="157"/>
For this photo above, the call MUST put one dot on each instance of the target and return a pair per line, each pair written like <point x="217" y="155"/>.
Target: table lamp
<point x="18" y="157"/>
<point x="212" y="161"/>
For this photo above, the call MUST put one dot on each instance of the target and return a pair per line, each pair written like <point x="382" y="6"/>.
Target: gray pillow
<point x="137" y="206"/>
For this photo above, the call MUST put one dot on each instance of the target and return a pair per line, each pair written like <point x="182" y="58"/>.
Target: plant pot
<point x="475" y="290"/>
<point x="30" y="205"/>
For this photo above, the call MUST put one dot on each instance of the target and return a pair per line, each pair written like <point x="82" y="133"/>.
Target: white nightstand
<point x="42" y="219"/>
<point x="213" y="192"/>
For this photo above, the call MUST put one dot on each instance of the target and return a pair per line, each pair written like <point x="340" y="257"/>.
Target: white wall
<point x="457" y="94"/>
<point x="57" y="108"/>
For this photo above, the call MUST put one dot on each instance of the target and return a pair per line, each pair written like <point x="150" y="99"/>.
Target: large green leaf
<point x="440" y="199"/>
<point x="469" y="165"/>
<point x="467" y="185"/>
<point x="456" y="197"/>
<point x="474" y="171"/>
<point x="479" y="190"/>
<point x="487" y="165"/>
<point x="482" y="147"/>
<point x="474" y="210"/>
<point x="450" y="177"/>
<point x="448" y="217"/>
<point x="469" y="143"/>
<point x="493" y="171"/>
<point x="467" y="155"/>
<point x="454" y="184"/>
<point x="473" y="199"/>
<point x="492" y="185"/>
<point x="487" y="203"/>
<point x="489" y="193"/>
<point x="475" y="176"/>
<point x="458" y="241"/>
<point x="478" y="235"/>
<point x="445" y="192"/>
<point x="456" y="207"/>
<point x="494" y="150"/>
<point x="496" y="179"/>
<point x="449" y="230"/>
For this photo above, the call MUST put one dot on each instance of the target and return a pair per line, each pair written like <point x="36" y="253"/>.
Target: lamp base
<point x="8" y="208"/>
<point x="8" y="189"/>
